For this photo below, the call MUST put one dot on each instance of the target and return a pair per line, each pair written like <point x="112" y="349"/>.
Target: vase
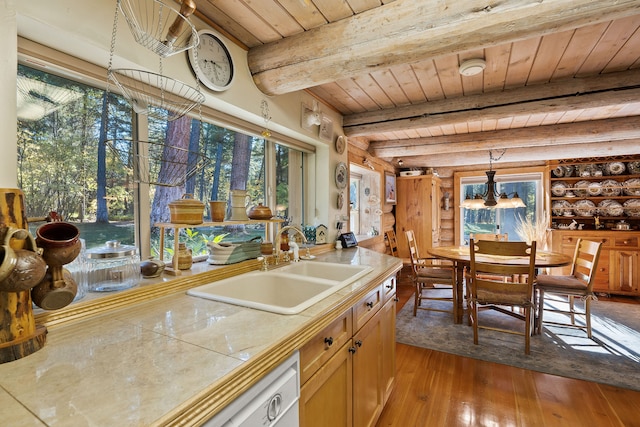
<point x="185" y="257"/>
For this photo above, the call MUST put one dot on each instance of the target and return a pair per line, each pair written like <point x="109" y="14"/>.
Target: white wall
<point x="84" y="29"/>
<point x="8" y="118"/>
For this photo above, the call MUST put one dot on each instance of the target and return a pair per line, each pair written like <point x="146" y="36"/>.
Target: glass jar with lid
<point x="112" y="267"/>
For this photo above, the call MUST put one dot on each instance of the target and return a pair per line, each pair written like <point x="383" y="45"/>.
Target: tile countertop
<point x="171" y="360"/>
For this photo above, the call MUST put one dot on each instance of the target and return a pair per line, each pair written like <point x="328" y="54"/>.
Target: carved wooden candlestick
<point x="19" y="334"/>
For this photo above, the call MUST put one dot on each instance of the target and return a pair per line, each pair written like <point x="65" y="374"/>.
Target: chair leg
<point x="572" y="311"/>
<point x="587" y="313"/>
<point x="527" y="329"/>
<point x="540" y="310"/>
<point x="473" y="314"/>
<point x="416" y="299"/>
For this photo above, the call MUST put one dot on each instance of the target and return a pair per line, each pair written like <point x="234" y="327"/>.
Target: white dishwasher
<point x="272" y="401"/>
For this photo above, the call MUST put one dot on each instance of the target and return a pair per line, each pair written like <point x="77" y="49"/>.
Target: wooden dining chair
<point x="392" y="242"/>
<point x="434" y="280"/>
<point x="579" y="283"/>
<point x="489" y="236"/>
<point x="499" y="295"/>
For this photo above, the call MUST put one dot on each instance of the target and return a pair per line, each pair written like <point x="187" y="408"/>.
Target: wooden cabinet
<point x="418" y="209"/>
<point x="348" y="384"/>
<point x="618" y="270"/>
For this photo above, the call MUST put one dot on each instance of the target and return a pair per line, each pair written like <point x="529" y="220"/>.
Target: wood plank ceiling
<point x="562" y="77"/>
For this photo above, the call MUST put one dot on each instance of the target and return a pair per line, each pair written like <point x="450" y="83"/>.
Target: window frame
<point x="49" y="60"/>
<point x="534" y="173"/>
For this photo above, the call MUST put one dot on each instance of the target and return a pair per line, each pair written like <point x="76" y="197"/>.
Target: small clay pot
<point x="151" y="268"/>
<point x="20" y="269"/>
<point x="259" y="212"/>
<point x="57" y="290"/>
<point x="60" y="242"/>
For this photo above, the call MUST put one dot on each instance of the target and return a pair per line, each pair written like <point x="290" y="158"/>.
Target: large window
<point x="85" y="154"/>
<point x="492" y="220"/>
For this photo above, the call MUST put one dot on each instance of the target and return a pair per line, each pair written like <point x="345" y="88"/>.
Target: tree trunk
<point x="174" y="165"/>
<point x="102" y="212"/>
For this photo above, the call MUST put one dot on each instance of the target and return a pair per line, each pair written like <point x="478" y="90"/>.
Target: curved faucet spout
<point x="286" y="229"/>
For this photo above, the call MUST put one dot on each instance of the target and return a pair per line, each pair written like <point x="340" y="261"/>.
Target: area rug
<point x="611" y="357"/>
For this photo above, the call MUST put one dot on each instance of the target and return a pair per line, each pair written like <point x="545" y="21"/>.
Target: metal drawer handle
<point x="328" y="341"/>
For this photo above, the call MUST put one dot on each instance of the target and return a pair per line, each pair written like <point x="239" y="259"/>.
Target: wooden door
<point x="418" y="209"/>
<point x="326" y="399"/>
<point x="367" y="374"/>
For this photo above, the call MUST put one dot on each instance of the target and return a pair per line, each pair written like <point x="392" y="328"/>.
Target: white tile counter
<point x="153" y="362"/>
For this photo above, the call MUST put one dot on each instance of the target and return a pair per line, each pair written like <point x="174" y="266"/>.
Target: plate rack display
<point x="592" y="193"/>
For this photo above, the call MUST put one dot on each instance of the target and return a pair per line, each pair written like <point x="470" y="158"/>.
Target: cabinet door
<point x="388" y="331"/>
<point x="624" y="271"/>
<point x="326" y="399"/>
<point x="367" y="374"/>
<point x="418" y="209"/>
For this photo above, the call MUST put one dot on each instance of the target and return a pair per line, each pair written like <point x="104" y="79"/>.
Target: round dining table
<point x="461" y="258"/>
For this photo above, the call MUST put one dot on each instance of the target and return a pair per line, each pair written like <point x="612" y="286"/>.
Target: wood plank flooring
<point x="439" y="389"/>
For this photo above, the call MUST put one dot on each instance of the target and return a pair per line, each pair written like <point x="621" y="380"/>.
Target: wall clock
<point x="211" y="61"/>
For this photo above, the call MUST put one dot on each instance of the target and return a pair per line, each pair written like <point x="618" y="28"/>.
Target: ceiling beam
<point x="356" y="124"/>
<point x="408" y="31"/>
<point x="544" y="106"/>
<point x="522" y="156"/>
<point x="544" y="137"/>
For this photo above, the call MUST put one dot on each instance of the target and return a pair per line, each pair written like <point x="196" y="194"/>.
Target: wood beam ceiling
<point x="367" y="42"/>
<point x="563" y="95"/>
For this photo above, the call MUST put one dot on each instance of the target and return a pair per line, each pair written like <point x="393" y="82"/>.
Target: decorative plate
<point x="341" y="176"/>
<point x="594" y="189"/>
<point x="632" y="207"/>
<point x="584" y="208"/>
<point x="631" y="187"/>
<point x="560" y="207"/>
<point x="633" y="168"/>
<point x="558" y="172"/>
<point x="559" y="188"/>
<point x="610" y="188"/>
<point x="615" y="209"/>
<point x="581" y="188"/>
<point x="615" y="168"/>
<point x="341" y="143"/>
<point x="340" y="200"/>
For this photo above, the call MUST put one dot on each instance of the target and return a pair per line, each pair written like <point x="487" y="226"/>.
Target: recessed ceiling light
<point x="471" y="67"/>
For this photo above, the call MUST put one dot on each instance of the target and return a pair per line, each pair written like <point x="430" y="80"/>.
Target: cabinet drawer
<point x="320" y="348"/>
<point x="625" y="242"/>
<point x="389" y="288"/>
<point x="367" y="307"/>
<point x="571" y="240"/>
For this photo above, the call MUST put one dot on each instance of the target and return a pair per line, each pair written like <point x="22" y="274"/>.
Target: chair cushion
<point x="552" y="282"/>
<point x="437" y="273"/>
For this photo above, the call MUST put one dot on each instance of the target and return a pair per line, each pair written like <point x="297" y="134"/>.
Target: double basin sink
<point x="289" y="289"/>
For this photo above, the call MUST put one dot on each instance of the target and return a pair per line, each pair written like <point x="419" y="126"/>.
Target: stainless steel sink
<point x="286" y="290"/>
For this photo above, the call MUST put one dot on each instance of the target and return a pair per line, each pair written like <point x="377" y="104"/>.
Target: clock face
<point x="212" y="62"/>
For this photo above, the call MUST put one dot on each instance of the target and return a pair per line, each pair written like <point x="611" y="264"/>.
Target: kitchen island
<point x="165" y="358"/>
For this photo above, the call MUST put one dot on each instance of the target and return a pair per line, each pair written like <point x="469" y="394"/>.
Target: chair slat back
<point x="489" y="236"/>
<point x="392" y="242"/>
<point x="585" y="261"/>
<point x="413" y="248"/>
<point x="508" y="258"/>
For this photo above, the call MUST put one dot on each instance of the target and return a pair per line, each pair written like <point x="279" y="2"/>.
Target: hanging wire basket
<point x="159" y="27"/>
<point x="145" y="90"/>
<point x="157" y="163"/>
<point x="37" y="99"/>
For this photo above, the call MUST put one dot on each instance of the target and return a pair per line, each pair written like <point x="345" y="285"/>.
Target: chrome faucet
<point x="283" y="230"/>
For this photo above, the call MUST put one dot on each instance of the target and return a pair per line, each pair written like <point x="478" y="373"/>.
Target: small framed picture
<point x="326" y="129"/>
<point x="390" y="188"/>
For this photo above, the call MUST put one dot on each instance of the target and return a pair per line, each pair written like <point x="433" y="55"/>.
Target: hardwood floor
<point x="440" y="389"/>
